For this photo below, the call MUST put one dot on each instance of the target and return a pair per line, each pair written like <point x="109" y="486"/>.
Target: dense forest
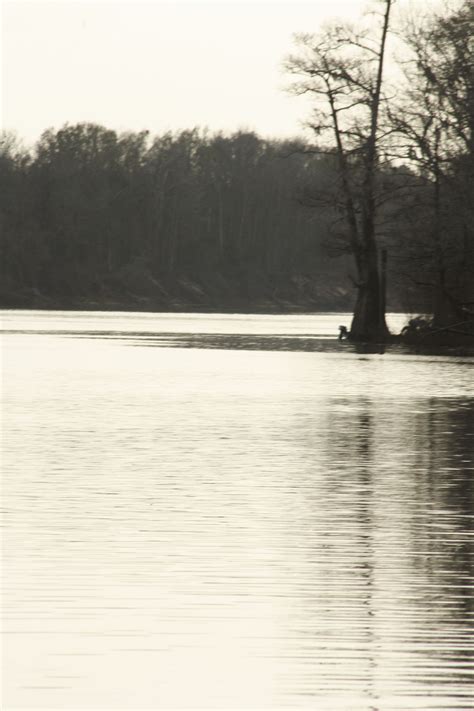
<point x="92" y="218"/>
<point x="193" y="220"/>
<point x="187" y="220"/>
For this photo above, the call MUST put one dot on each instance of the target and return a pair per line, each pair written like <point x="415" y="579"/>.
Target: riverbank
<point x="210" y="293"/>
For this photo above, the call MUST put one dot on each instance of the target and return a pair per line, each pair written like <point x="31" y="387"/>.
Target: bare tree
<point x="342" y="68"/>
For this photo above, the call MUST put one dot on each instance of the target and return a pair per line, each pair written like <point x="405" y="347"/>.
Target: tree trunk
<point x="368" y="322"/>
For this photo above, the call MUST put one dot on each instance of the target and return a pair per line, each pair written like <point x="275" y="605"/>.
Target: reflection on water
<point x="219" y="525"/>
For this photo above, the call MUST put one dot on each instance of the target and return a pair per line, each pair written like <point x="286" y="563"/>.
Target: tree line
<point x="183" y="218"/>
<point x="93" y="218"/>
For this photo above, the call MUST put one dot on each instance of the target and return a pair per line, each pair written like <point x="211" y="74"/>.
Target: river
<point x="233" y="512"/>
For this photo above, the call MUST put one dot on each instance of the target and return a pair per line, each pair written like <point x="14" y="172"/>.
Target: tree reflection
<point x="350" y="488"/>
<point x="401" y="474"/>
<point x="447" y="492"/>
<point x="449" y="483"/>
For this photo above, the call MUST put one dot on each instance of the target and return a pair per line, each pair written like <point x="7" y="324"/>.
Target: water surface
<point x="233" y="512"/>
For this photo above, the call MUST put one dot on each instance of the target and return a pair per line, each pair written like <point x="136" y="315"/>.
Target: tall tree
<point x="342" y="68"/>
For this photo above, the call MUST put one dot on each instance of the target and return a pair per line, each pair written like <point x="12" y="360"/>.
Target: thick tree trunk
<point x="368" y="322"/>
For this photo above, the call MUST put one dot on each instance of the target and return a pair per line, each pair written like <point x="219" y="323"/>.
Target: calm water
<point x="233" y="512"/>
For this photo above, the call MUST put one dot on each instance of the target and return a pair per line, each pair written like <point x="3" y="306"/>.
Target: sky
<point x="156" y="65"/>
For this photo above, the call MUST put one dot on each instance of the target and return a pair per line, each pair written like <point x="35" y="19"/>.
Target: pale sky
<point x="155" y="65"/>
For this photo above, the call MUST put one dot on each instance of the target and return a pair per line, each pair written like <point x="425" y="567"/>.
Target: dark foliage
<point x="91" y="218"/>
